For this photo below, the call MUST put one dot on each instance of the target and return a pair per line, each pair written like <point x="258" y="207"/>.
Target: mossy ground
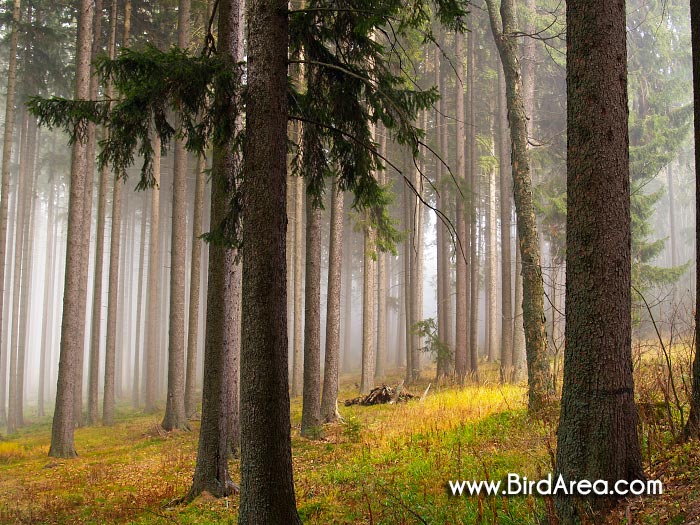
<point x="384" y="464"/>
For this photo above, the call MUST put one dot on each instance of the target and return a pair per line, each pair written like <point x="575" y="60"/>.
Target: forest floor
<point x="383" y="464"/>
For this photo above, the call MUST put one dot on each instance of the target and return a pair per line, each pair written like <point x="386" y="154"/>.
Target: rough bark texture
<point x="311" y="405"/>
<point x="597" y="435"/>
<point x="347" y="307"/>
<point x="335" y="263"/>
<point x="693" y="425"/>
<point x="505" y="190"/>
<point x="462" y="254"/>
<point x="195" y="278"/>
<point x="211" y="472"/>
<point x="138" y="346"/>
<point x="267" y="487"/>
<point x="73" y="321"/>
<point x="539" y="377"/>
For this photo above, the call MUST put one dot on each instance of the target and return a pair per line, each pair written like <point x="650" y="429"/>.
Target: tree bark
<point x="297" y="358"/>
<point x="505" y="190"/>
<point x="693" y="426"/>
<point x="5" y="170"/>
<point x="153" y="296"/>
<point x="265" y="425"/>
<point x="193" y="320"/>
<point x="329" y="399"/>
<point x="311" y="405"/>
<point x="462" y="252"/>
<point x="222" y="329"/>
<point x="597" y="435"/>
<point x="368" y="310"/>
<point x="175" y="415"/>
<point x="539" y="377"/>
<point x="138" y="347"/>
<point x="74" y="300"/>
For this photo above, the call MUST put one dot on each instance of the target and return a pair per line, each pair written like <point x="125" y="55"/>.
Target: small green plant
<point x="352" y="428"/>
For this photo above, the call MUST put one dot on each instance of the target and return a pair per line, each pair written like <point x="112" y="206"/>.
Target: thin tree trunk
<point x="22" y="192"/>
<point x="492" y="262"/>
<point x="311" y="405"/>
<point x="193" y="328"/>
<point x="382" y="291"/>
<point x="48" y="303"/>
<point x="474" y="202"/>
<point x="693" y="426"/>
<point x="505" y="190"/>
<point x="539" y="376"/>
<point x="74" y="298"/>
<point x="138" y="351"/>
<point x="297" y="358"/>
<point x="175" y="414"/>
<point x="5" y="182"/>
<point x="368" y="310"/>
<point x="329" y="399"/>
<point x="153" y="296"/>
<point x="347" y="315"/>
<point x="462" y="252"/>
<point x="407" y="280"/>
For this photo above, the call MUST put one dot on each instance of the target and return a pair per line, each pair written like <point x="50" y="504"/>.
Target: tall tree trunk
<point x="265" y="425"/>
<point x="473" y="215"/>
<point x="74" y="298"/>
<point x="382" y="291"/>
<point x="416" y="271"/>
<point x="597" y="435"/>
<point x="311" y="405"/>
<point x="27" y="270"/>
<point x="693" y="426"/>
<point x="329" y="399"/>
<point x="153" y="295"/>
<point x="505" y="190"/>
<point x="22" y="192"/>
<point x="347" y="314"/>
<point x="175" y="415"/>
<point x="492" y="261"/>
<point x="96" y="332"/>
<point x="368" y="310"/>
<point x="5" y="182"/>
<point x="193" y="324"/>
<point x="224" y="288"/>
<point x="48" y="303"/>
<point x="297" y="357"/>
<point x="138" y="350"/>
<point x="407" y="279"/>
<point x="539" y="377"/>
<point x="462" y="245"/>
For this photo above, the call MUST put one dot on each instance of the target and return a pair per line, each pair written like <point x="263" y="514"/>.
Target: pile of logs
<point x="381" y="395"/>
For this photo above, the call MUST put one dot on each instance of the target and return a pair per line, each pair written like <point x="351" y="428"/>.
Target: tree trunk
<point x="138" y="350"/>
<point x="492" y="261"/>
<point x="74" y="300"/>
<point x="597" y="435"/>
<point x="368" y="310"/>
<point x="311" y="405"/>
<point x="297" y="358"/>
<point x="95" y="332"/>
<point x="473" y="202"/>
<point x="329" y="399"/>
<point x="462" y="245"/>
<point x="193" y="324"/>
<point x="347" y="314"/>
<point x="175" y="415"/>
<point x="6" y="165"/>
<point x="153" y="296"/>
<point x="539" y="377"/>
<point x="693" y="426"/>
<point x="223" y="293"/>
<point x="505" y="190"/>
<point x="264" y="393"/>
<point x="48" y="303"/>
<point x="22" y="192"/>
<point x="407" y="281"/>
